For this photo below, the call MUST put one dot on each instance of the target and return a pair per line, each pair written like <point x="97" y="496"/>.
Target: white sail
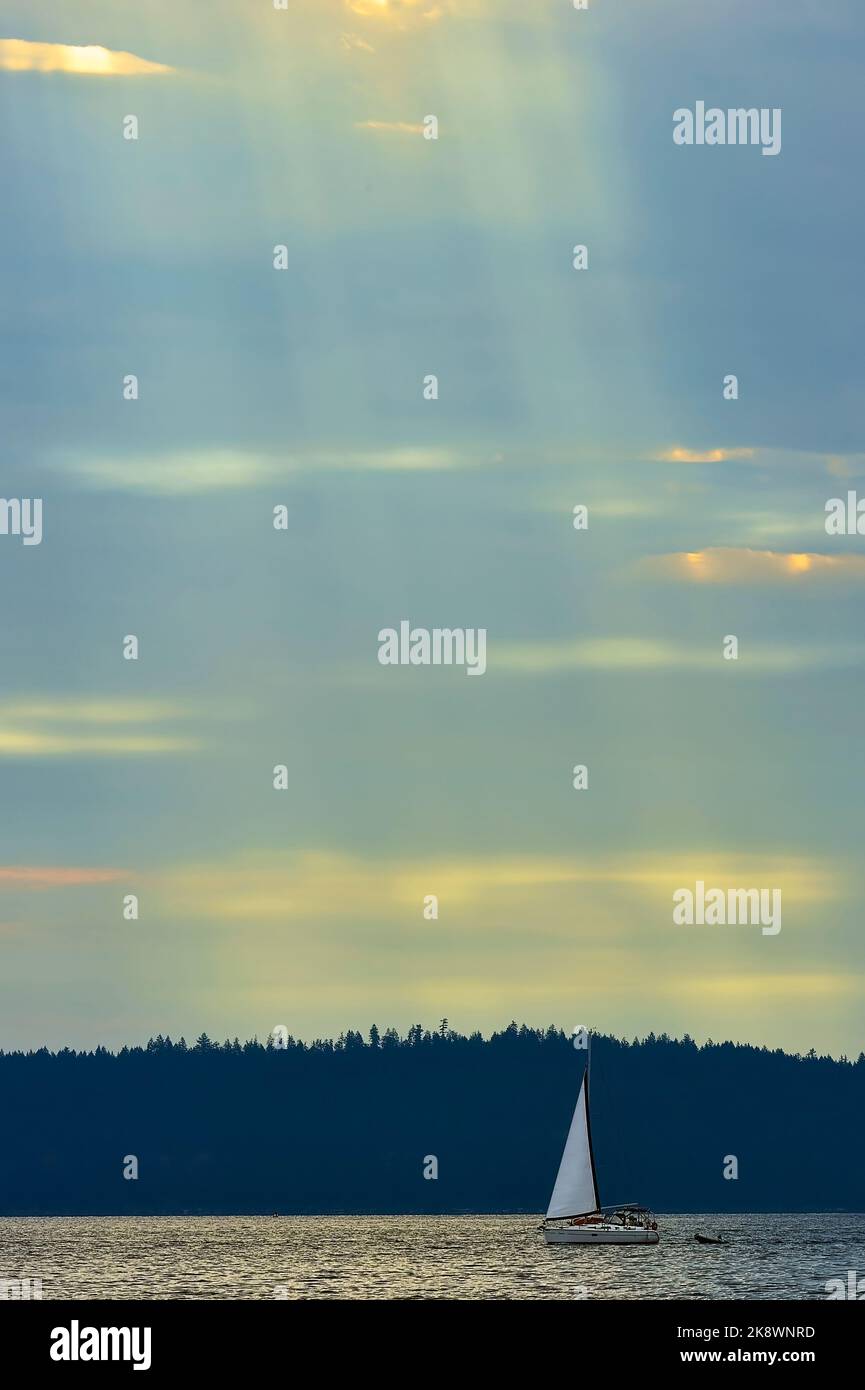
<point x="575" y="1192"/>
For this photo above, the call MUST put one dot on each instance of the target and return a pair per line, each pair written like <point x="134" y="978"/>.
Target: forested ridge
<point x="348" y="1125"/>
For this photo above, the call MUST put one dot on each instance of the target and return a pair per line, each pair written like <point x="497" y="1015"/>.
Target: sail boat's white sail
<point x="575" y="1197"/>
<point x="576" y="1192"/>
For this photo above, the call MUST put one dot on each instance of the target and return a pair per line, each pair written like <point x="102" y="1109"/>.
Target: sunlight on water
<point x="450" y="1257"/>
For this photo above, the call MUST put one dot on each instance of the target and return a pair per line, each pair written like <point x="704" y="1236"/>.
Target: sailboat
<point x="575" y="1198"/>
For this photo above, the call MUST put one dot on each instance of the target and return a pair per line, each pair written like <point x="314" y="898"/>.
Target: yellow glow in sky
<point x="395" y="9"/>
<point x="19" y="55"/>
<point x="740" y="565"/>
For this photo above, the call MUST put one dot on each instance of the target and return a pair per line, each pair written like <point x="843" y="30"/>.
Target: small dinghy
<point x="575" y="1198"/>
<point x="708" y="1240"/>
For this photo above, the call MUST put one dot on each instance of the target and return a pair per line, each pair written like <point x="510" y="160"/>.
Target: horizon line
<point x="415" y="1035"/>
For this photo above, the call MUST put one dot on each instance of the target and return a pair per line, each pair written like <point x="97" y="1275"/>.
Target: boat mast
<point x="575" y="1191"/>
<point x="589" y="1125"/>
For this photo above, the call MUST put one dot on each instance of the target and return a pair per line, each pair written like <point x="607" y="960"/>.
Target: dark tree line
<point x="347" y="1125"/>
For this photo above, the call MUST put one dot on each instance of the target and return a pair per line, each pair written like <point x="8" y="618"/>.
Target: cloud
<point x="19" y="55"/>
<point x="684" y="455"/>
<point x="803" y="462"/>
<point x="318" y="883"/>
<point x="647" y="654"/>
<point x="729" y="565"/>
<point x="844" y="465"/>
<point x="191" y="472"/>
<point x="281" y="927"/>
<point x="755" y="987"/>
<point x="408" y="460"/>
<point x="395" y="127"/>
<point x="768" y="525"/>
<point x="625" y="508"/>
<point x="168" y="475"/>
<point x="88" y="711"/>
<point x="77" y="727"/>
<point x="262" y="886"/>
<point x="354" y="41"/>
<point x="45" y="876"/>
<point x="27" y="743"/>
<point x="398" y="12"/>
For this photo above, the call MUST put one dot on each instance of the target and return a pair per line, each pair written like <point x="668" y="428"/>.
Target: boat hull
<point x="599" y="1235"/>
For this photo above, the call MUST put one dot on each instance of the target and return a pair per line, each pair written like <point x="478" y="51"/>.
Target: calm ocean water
<point x="384" y="1257"/>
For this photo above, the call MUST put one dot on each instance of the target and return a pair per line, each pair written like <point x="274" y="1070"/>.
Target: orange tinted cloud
<point x="730" y="565"/>
<point x="396" y="11"/>
<point x="47" y="876"/>
<point x="19" y="55"/>
<point x="684" y="455"/>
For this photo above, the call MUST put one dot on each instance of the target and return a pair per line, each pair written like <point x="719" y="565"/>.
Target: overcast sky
<point x="304" y="387"/>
